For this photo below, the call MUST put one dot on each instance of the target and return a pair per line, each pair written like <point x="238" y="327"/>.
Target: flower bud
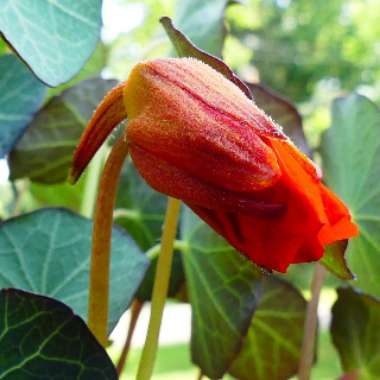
<point x="188" y="115"/>
<point x="194" y="135"/>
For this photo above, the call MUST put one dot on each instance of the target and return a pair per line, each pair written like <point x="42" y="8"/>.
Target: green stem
<point x="311" y="321"/>
<point x="91" y="184"/>
<point x="160" y="290"/>
<point x="101" y="241"/>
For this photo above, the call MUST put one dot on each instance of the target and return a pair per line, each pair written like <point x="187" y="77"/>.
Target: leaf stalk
<point x="160" y="290"/>
<point x="311" y="322"/>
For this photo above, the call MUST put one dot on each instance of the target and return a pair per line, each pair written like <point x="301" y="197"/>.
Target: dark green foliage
<point x="42" y="339"/>
<point x="48" y="252"/>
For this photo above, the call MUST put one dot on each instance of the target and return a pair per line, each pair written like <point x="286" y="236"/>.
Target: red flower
<point x="195" y="136"/>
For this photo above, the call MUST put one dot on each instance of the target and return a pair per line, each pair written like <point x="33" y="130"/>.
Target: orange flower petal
<point x="109" y="113"/>
<point x="340" y="227"/>
<point x="314" y="216"/>
<point x="168" y="179"/>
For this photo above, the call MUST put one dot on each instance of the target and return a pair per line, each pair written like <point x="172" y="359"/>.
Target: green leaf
<point x="334" y="260"/>
<point x="44" y="152"/>
<point x="54" y="38"/>
<point x="48" y="252"/>
<point x="91" y="69"/>
<point x="203" y="22"/>
<point x="3" y="46"/>
<point x="139" y="209"/>
<point x="355" y="330"/>
<point x="283" y="112"/>
<point x="272" y="347"/>
<point x="177" y="278"/>
<point x="351" y="160"/>
<point x="41" y="338"/>
<point x="58" y="195"/>
<point x="222" y="288"/>
<point x="21" y="94"/>
<point x="185" y="48"/>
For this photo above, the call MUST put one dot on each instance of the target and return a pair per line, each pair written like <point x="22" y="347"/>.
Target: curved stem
<point x="135" y="313"/>
<point x="160" y="289"/>
<point x="310" y="329"/>
<point x="101" y="241"/>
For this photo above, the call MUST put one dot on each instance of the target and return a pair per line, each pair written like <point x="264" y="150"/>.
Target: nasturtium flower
<point x="194" y="135"/>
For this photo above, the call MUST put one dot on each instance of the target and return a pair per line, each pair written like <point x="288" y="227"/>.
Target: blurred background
<point x="307" y="51"/>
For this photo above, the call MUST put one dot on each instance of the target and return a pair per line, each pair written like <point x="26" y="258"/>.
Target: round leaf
<point x="41" y="338"/>
<point x="222" y="286"/>
<point x="272" y="347"/>
<point x="45" y="151"/>
<point x="21" y="94"/>
<point x="48" y="252"/>
<point x="55" y="38"/>
<point x="139" y="209"/>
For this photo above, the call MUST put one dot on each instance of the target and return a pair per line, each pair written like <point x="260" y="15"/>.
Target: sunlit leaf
<point x="48" y="252"/>
<point x="21" y="94"/>
<point x="222" y="288"/>
<point x="55" y="38"/>
<point x="355" y="330"/>
<point x="271" y="349"/>
<point x="45" y="151"/>
<point x="351" y="161"/>
<point x="58" y="195"/>
<point x="41" y="338"/>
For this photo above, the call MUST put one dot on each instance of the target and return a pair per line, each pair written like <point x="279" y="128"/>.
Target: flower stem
<point x="310" y="328"/>
<point x="101" y="241"/>
<point x="160" y="289"/>
<point x="135" y="313"/>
